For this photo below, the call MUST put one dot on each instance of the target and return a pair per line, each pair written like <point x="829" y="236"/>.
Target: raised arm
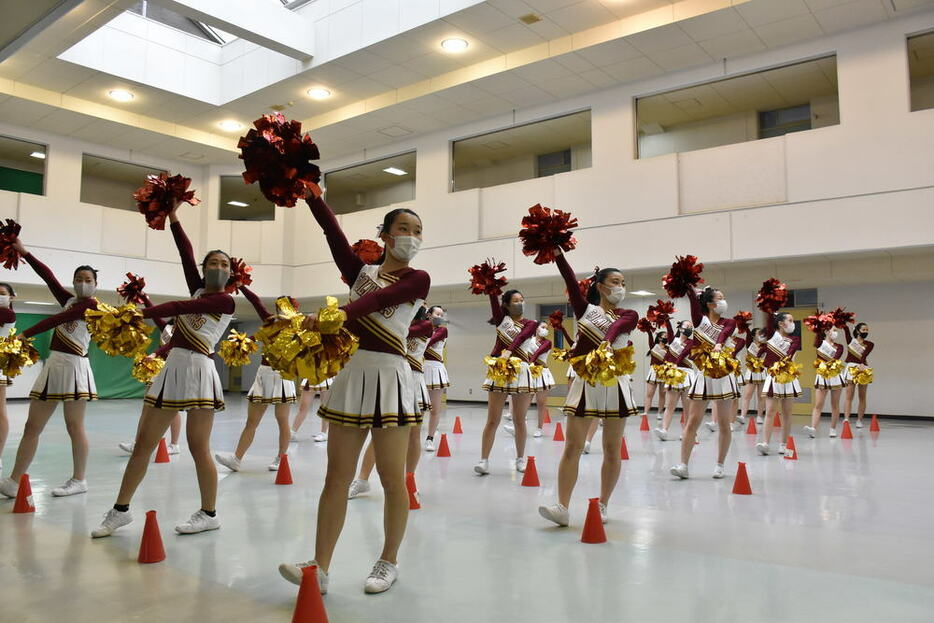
<point x="769" y="326"/>
<point x="575" y="298"/>
<point x="441" y="333"/>
<point x="671" y="332"/>
<point x="818" y="338"/>
<point x="651" y="336"/>
<point x="219" y="303"/>
<point x="543" y="348"/>
<point x="413" y="285"/>
<point x="147" y="302"/>
<point x="696" y="312"/>
<point x="58" y="291"/>
<point x="497" y="310"/>
<point x="847" y="334"/>
<point x="261" y="311"/>
<point x="347" y="261"/>
<point x="187" y="254"/>
<point x="73" y="313"/>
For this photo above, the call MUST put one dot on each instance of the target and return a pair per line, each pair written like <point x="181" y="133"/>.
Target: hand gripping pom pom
<point x="644" y="325"/>
<point x="502" y="371"/>
<point x="278" y="156"/>
<point x="132" y="289"/>
<point x="819" y="323"/>
<point x="544" y="231"/>
<point x="772" y="296"/>
<point x="235" y="351"/>
<point x="841" y="317"/>
<point x="685" y="274"/>
<point x="742" y="320"/>
<point x="603" y="365"/>
<point x="160" y="194"/>
<point x="16" y="354"/>
<point x="9" y="232"/>
<point x="118" y="330"/>
<point x="239" y="275"/>
<point x="146" y="368"/>
<point x="484" y="279"/>
<point x="556" y="319"/>
<point x="785" y="370"/>
<point x="659" y="313"/>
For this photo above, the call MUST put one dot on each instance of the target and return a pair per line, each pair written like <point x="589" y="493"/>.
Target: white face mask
<point x="789" y="327"/>
<point x="721" y="307"/>
<point x="833" y="335"/>
<point x="84" y="289"/>
<point x="616" y="295"/>
<point x="542" y="332"/>
<point x="4" y="300"/>
<point x="406" y="247"/>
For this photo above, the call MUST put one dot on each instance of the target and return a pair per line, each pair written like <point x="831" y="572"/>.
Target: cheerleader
<point x="7" y="322"/>
<point x="599" y="319"/>
<point x="677" y="355"/>
<point x="736" y="343"/>
<point x="66" y="376"/>
<point x="269" y="388"/>
<point x="545" y="381"/>
<point x="304" y="406"/>
<point x="781" y="344"/>
<point x="826" y="382"/>
<point x="658" y="348"/>
<point x="754" y="376"/>
<point x="711" y="331"/>
<point x="857" y="353"/>
<point x="436" y="374"/>
<point x="514" y="337"/>
<point x="188" y="382"/>
<point x="374" y="392"/>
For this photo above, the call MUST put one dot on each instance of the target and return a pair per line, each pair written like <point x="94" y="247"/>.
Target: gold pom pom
<point x="330" y="317"/>
<point x="235" y="351"/>
<point x="502" y="371"/>
<point x="715" y="365"/>
<point x="561" y="354"/>
<point x="828" y="369"/>
<point x="536" y="369"/>
<point x="785" y="371"/>
<point x="861" y="377"/>
<point x="669" y="373"/>
<point x="118" y="330"/>
<point x="603" y="365"/>
<point x="16" y="354"/>
<point x="755" y="364"/>
<point x="145" y="368"/>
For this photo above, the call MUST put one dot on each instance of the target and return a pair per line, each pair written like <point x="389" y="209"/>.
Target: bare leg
<point x="834" y="407"/>
<point x="672" y="396"/>
<point x="152" y="425"/>
<point x="254" y="414"/>
<point x="520" y="407"/>
<point x="285" y="434"/>
<point x="772" y="405"/>
<point x="74" y="424"/>
<point x="437" y="400"/>
<point x="323" y="399"/>
<point x="368" y="463"/>
<point x="39" y="413"/>
<point x="304" y="405"/>
<point x="4" y="422"/>
<point x="570" y="458"/>
<point x="662" y="399"/>
<point x="198" y="431"/>
<point x="820" y="396"/>
<point x="848" y="401"/>
<point x="609" y="471"/>
<point x="748" y="390"/>
<point x="541" y="402"/>
<point x="391" y="445"/>
<point x="863" y="391"/>
<point x="723" y="412"/>
<point x="414" y="451"/>
<point x="787" y="406"/>
<point x="696" y="410"/>
<point x="494" y="414"/>
<point x="649" y="396"/>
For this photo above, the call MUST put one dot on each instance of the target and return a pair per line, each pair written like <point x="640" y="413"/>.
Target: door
<point x="805" y="404"/>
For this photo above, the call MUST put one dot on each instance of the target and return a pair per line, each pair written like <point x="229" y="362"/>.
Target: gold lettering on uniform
<point x="364" y="285"/>
<point x="70" y="326"/>
<point x="195" y="321"/>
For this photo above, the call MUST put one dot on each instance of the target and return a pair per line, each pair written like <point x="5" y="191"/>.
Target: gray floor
<point x="843" y="534"/>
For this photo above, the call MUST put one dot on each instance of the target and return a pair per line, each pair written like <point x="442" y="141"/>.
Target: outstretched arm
<point x="219" y="303"/>
<point x="413" y="285"/>
<point x="575" y="298"/>
<point x="261" y="311"/>
<point x="347" y="261"/>
<point x="75" y="312"/>
<point x="147" y="302"/>
<point x="187" y="254"/>
<point x="55" y="287"/>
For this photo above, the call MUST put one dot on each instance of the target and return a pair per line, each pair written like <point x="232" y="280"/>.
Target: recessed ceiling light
<point x="38" y="154"/>
<point x="642" y="293"/>
<point x="238" y="204"/>
<point x="229" y="125"/>
<point x="395" y="171"/>
<point x="454" y="45"/>
<point x="121" y="95"/>
<point x="318" y="93"/>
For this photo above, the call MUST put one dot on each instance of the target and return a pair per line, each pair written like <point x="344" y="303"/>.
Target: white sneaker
<point x="357" y="488"/>
<point x="781" y="449"/>
<point x="292" y="439"/>
<point x="680" y="470"/>
<point x="274" y="466"/>
<point x="760" y="420"/>
<point x="319" y="437"/>
<point x="113" y="519"/>
<point x="381" y="578"/>
<point x="127" y="446"/>
<point x="429" y="445"/>
<point x="762" y="448"/>
<point x="198" y="522"/>
<point x="658" y="416"/>
<point x="556" y="513"/>
<point x="174" y="448"/>
<point x="859" y="423"/>
<point x="520" y="464"/>
<point x="718" y="471"/>
<point x="586" y="447"/>
<point x="811" y="431"/>
<point x="8" y="487"/>
<point x="741" y="419"/>
<point x="537" y="433"/>
<point x="833" y="432"/>
<point x="71" y="487"/>
<point x="603" y="515"/>
<point x="482" y="467"/>
<point x="293" y="573"/>
<point x="711" y="426"/>
<point x="661" y="433"/>
<point x="507" y="417"/>
<point x="509" y="428"/>
<point x="228" y="460"/>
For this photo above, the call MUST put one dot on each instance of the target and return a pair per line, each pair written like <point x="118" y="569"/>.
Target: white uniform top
<point x="166" y="335"/>
<point x="507" y="330"/>
<point x="415" y="351"/>
<point x="390" y="324"/>
<point x="677" y="347"/>
<point x="755" y="349"/>
<point x="74" y="334"/>
<point x="708" y="332"/>
<point x="203" y="331"/>
<point x="659" y="351"/>
<point x="529" y="347"/>
<point x="5" y="329"/>
<point x="779" y="344"/>
<point x="856" y="349"/>
<point x="437" y="349"/>
<point x="594" y="325"/>
<point x="827" y="349"/>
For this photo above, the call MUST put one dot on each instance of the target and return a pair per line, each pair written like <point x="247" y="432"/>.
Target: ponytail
<point x="599" y="276"/>
<point x="504" y="304"/>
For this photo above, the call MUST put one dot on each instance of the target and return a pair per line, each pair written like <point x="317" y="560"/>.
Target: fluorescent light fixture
<point x="454" y="44"/>
<point x="37" y="303"/>
<point x="395" y="171"/>
<point x="38" y="154"/>
<point x="237" y="204"/>
<point x="642" y="293"/>
<point x="121" y="95"/>
<point x="318" y="93"/>
<point x="229" y="125"/>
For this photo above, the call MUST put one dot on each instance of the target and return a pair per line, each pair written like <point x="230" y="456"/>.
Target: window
<point x="243" y="202"/>
<point x="167" y="17"/>
<point x="22" y="166"/>
<point x="111" y="183"/>
<point x="374" y="184"/>
<point x="523" y="152"/>
<point x="921" y="70"/>
<point x="769" y="103"/>
<point x="806" y="297"/>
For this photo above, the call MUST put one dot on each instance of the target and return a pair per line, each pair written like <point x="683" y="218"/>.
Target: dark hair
<point x="659" y="336"/>
<point x="204" y="262"/>
<point x="434" y="307"/>
<point x="8" y="287"/>
<point x="388" y="220"/>
<point x="855" y="329"/>
<point x="706" y="297"/>
<point x="680" y="329"/>
<point x="421" y="314"/>
<point x="93" y="271"/>
<point x="779" y="316"/>
<point x="599" y="276"/>
<point x="504" y="304"/>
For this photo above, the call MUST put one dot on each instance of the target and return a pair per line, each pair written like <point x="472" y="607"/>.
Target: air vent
<point x="394" y="131"/>
<point x="496" y="145"/>
<point x="530" y="18"/>
<point x="281" y="107"/>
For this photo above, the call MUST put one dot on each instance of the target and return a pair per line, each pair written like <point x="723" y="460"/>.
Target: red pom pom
<point x="278" y="156"/>
<point x="841" y="317"/>
<point x="584" y="286"/>
<point x="772" y="296"/>
<point x="742" y="320"/>
<point x="819" y="323"/>
<point x="368" y="251"/>
<point x="556" y="319"/>
<point x="644" y="325"/>
<point x="659" y="313"/>
<point x="484" y="280"/>
<point x="9" y="232"/>
<point x="684" y="274"/>
<point x="544" y="231"/>
<point x="239" y="275"/>
<point x="156" y="198"/>
<point x="132" y="289"/>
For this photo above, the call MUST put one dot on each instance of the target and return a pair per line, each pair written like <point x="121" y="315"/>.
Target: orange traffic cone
<point x="284" y="474"/>
<point x="682" y="418"/>
<point x="530" y="477"/>
<point x="791" y="453"/>
<point x="874" y="425"/>
<point x="23" y="503"/>
<point x="623" y="451"/>
<point x="559" y="433"/>
<point x="847" y="431"/>
<point x="443" y="449"/>
<point x="741" y="482"/>
<point x="309" y="607"/>
<point x="162" y="452"/>
<point x="644" y="426"/>
<point x="777" y="420"/>
<point x="150" y="548"/>
<point x="413" y="491"/>
<point x="593" y="525"/>
<point x="457" y="426"/>
<point x="547" y="418"/>
<point x="751" y="428"/>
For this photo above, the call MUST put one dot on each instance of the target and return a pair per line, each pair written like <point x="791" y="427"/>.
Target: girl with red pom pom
<point x="188" y="382"/>
<point x="65" y="378"/>
<point x="858" y="348"/>
<point x="658" y="348"/>
<point x="515" y="337"/>
<point x="781" y="344"/>
<point x="677" y="354"/>
<point x="373" y="394"/>
<point x="712" y="330"/>
<point x="754" y="376"/>
<point x="737" y="342"/>
<point x="599" y="319"/>
<point x="829" y="352"/>
<point x="436" y="374"/>
<point x="7" y="322"/>
<point x="546" y="380"/>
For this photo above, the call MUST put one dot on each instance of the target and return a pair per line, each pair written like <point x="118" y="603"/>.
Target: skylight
<point x="174" y="20"/>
